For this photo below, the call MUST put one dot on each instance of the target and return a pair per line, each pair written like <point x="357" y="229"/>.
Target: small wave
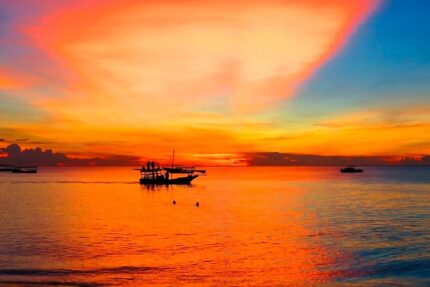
<point x="395" y="267"/>
<point x="71" y="182"/>
<point x="52" y="283"/>
<point x="415" y="268"/>
<point x="64" y="272"/>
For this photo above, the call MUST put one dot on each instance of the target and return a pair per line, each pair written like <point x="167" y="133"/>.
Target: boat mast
<point x="173" y="157"/>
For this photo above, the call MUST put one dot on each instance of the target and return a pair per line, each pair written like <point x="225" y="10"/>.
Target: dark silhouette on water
<point x="17" y="168"/>
<point x="154" y="174"/>
<point x="350" y="169"/>
<point x="165" y="175"/>
<point x="25" y="169"/>
<point x="6" y="168"/>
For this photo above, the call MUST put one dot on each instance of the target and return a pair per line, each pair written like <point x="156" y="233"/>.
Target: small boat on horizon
<point x="18" y="169"/>
<point x="350" y="169"/>
<point x="6" y="168"/>
<point x="25" y="169"/>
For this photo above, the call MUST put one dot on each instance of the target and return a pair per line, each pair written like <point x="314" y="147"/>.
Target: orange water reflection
<point x="252" y="228"/>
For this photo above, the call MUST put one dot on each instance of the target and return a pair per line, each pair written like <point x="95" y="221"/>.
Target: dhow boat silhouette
<point x="154" y="174"/>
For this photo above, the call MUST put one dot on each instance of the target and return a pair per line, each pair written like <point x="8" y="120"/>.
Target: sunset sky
<point x="216" y="80"/>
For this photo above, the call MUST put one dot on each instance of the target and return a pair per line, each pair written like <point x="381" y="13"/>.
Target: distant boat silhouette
<point x="152" y="174"/>
<point x="350" y="169"/>
<point x="25" y="169"/>
<point x="6" y="168"/>
<point x="18" y="169"/>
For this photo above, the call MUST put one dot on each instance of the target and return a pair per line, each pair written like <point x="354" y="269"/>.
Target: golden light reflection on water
<point x="254" y="226"/>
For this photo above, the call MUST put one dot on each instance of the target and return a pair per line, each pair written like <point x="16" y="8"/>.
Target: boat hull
<point x="351" y="171"/>
<point x="159" y="181"/>
<point x="26" y="169"/>
<point x="6" y="168"/>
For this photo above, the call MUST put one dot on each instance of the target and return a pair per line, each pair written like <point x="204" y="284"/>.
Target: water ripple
<point x="63" y="272"/>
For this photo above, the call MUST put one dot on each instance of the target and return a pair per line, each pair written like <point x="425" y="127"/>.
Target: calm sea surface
<point x="277" y="226"/>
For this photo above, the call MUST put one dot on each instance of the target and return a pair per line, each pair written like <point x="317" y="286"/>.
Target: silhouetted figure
<point x="152" y="165"/>
<point x="174" y="202"/>
<point x="197" y="204"/>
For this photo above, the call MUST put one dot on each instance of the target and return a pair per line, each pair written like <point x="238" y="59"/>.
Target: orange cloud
<point x="183" y="67"/>
<point x="10" y="81"/>
<point x="379" y="131"/>
<point x="168" y="55"/>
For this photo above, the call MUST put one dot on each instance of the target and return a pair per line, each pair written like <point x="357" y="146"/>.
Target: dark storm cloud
<point x="425" y="160"/>
<point x="289" y="159"/>
<point x="36" y="156"/>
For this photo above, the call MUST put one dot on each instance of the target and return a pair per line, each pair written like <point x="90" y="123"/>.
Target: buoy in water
<point x="174" y="202"/>
<point x="197" y="204"/>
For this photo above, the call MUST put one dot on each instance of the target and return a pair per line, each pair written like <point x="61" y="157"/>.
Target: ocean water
<point x="255" y="226"/>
